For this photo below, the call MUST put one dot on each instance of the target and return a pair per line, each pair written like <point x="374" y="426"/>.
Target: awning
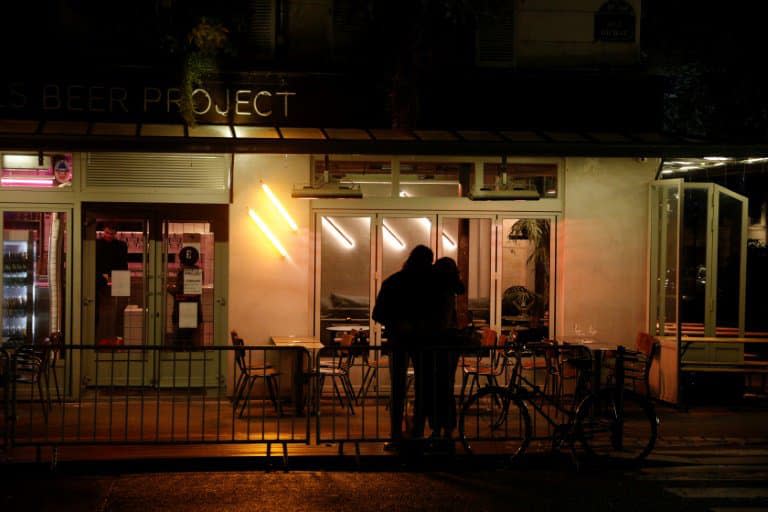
<point x="54" y="135"/>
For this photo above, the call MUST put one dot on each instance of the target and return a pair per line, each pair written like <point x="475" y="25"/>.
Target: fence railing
<point x="150" y="395"/>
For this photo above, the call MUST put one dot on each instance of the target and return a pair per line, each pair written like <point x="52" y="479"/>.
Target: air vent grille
<point x="180" y="171"/>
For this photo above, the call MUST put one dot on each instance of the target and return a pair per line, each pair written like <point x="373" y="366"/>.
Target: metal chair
<point x="248" y="375"/>
<point x="339" y="360"/>
<point x="489" y="363"/>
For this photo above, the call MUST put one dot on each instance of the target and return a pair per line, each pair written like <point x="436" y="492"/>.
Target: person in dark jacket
<point x="111" y="254"/>
<point x="401" y="308"/>
<point x="446" y="284"/>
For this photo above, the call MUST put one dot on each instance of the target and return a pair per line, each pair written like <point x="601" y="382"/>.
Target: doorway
<point x="154" y="275"/>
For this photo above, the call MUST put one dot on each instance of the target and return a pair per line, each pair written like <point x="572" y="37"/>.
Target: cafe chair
<point x="637" y="364"/>
<point x="56" y="341"/>
<point x="30" y="368"/>
<point x="372" y="363"/>
<point x="248" y="375"/>
<point x="489" y="363"/>
<point x="338" y="361"/>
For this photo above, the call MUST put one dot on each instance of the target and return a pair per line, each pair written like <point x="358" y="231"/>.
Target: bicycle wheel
<point x="609" y="436"/>
<point x="494" y="421"/>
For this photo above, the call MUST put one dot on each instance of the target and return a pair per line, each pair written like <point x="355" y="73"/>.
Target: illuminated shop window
<point x="36" y="170"/>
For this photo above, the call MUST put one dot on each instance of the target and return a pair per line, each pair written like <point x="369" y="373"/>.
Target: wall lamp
<point x="338" y="233"/>
<point x="265" y="229"/>
<point x="276" y="202"/>
<point x="392" y="237"/>
<point x="447" y="240"/>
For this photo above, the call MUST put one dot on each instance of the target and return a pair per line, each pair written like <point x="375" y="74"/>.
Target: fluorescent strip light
<point x="279" y="206"/>
<point x="393" y="239"/>
<point x="11" y="161"/>
<point x="448" y="241"/>
<point x="35" y="182"/>
<point x="340" y="236"/>
<point x="265" y="229"/>
<point x="716" y="158"/>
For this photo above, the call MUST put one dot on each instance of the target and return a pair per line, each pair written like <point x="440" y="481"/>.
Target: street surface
<point x="546" y="484"/>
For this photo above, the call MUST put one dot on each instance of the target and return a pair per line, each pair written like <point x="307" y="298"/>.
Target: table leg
<point x="298" y="382"/>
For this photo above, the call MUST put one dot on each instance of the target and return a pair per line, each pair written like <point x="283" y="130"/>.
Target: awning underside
<point x="103" y="136"/>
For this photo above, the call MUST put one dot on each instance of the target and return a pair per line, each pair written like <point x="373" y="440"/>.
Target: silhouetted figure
<point x="442" y="363"/>
<point x="401" y="308"/>
<point x="111" y="254"/>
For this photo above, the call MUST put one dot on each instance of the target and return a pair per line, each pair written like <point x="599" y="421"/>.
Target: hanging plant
<point x="204" y="42"/>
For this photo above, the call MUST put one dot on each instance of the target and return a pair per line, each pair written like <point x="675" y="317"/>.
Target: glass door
<point x="666" y="216"/>
<point x="526" y="265"/>
<point x="470" y="242"/>
<point x="34" y="291"/>
<point x="713" y="261"/>
<point x="344" y="273"/>
<point x="152" y="276"/>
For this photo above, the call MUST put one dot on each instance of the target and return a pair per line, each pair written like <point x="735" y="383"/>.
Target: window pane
<point x="729" y="227"/>
<point x="424" y="179"/>
<point x="189" y="277"/>
<point x="36" y="171"/>
<point x="693" y="267"/>
<point x="120" y="281"/>
<point x="34" y="274"/>
<point x="345" y="263"/>
<point x="539" y="177"/>
<point x="468" y="241"/>
<point x="525" y="273"/>
<point x="374" y="178"/>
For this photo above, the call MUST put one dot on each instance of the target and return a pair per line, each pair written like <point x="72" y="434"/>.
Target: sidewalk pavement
<point x="736" y="433"/>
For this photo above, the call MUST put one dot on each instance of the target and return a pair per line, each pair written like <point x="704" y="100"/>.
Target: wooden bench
<point x="723" y="366"/>
<point x="746" y="368"/>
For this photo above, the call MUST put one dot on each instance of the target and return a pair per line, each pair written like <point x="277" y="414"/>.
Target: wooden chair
<point x="249" y="374"/>
<point x="637" y="363"/>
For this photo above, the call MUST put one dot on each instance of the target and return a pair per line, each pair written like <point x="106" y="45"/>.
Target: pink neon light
<point x="27" y="181"/>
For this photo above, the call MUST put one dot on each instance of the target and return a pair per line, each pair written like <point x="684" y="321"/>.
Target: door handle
<point x="221" y="301"/>
<point x="87" y="301"/>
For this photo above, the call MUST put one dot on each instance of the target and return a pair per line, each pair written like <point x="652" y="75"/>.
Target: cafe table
<point x="598" y="348"/>
<point x="312" y="346"/>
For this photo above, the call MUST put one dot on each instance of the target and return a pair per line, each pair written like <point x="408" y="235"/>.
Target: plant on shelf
<point x="536" y="231"/>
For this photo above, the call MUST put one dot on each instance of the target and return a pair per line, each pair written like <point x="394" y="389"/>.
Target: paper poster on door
<point x="121" y="283"/>
<point x="187" y="315"/>
<point x="193" y="281"/>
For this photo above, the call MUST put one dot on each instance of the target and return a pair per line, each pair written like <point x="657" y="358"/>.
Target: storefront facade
<point x="211" y="187"/>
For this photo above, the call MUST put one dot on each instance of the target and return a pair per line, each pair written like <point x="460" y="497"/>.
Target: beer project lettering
<point x="257" y="103"/>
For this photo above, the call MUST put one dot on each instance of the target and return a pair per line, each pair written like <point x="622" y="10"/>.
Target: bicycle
<point x="608" y="425"/>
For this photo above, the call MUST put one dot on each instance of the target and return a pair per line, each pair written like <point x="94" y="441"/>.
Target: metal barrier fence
<point x="149" y="395"/>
